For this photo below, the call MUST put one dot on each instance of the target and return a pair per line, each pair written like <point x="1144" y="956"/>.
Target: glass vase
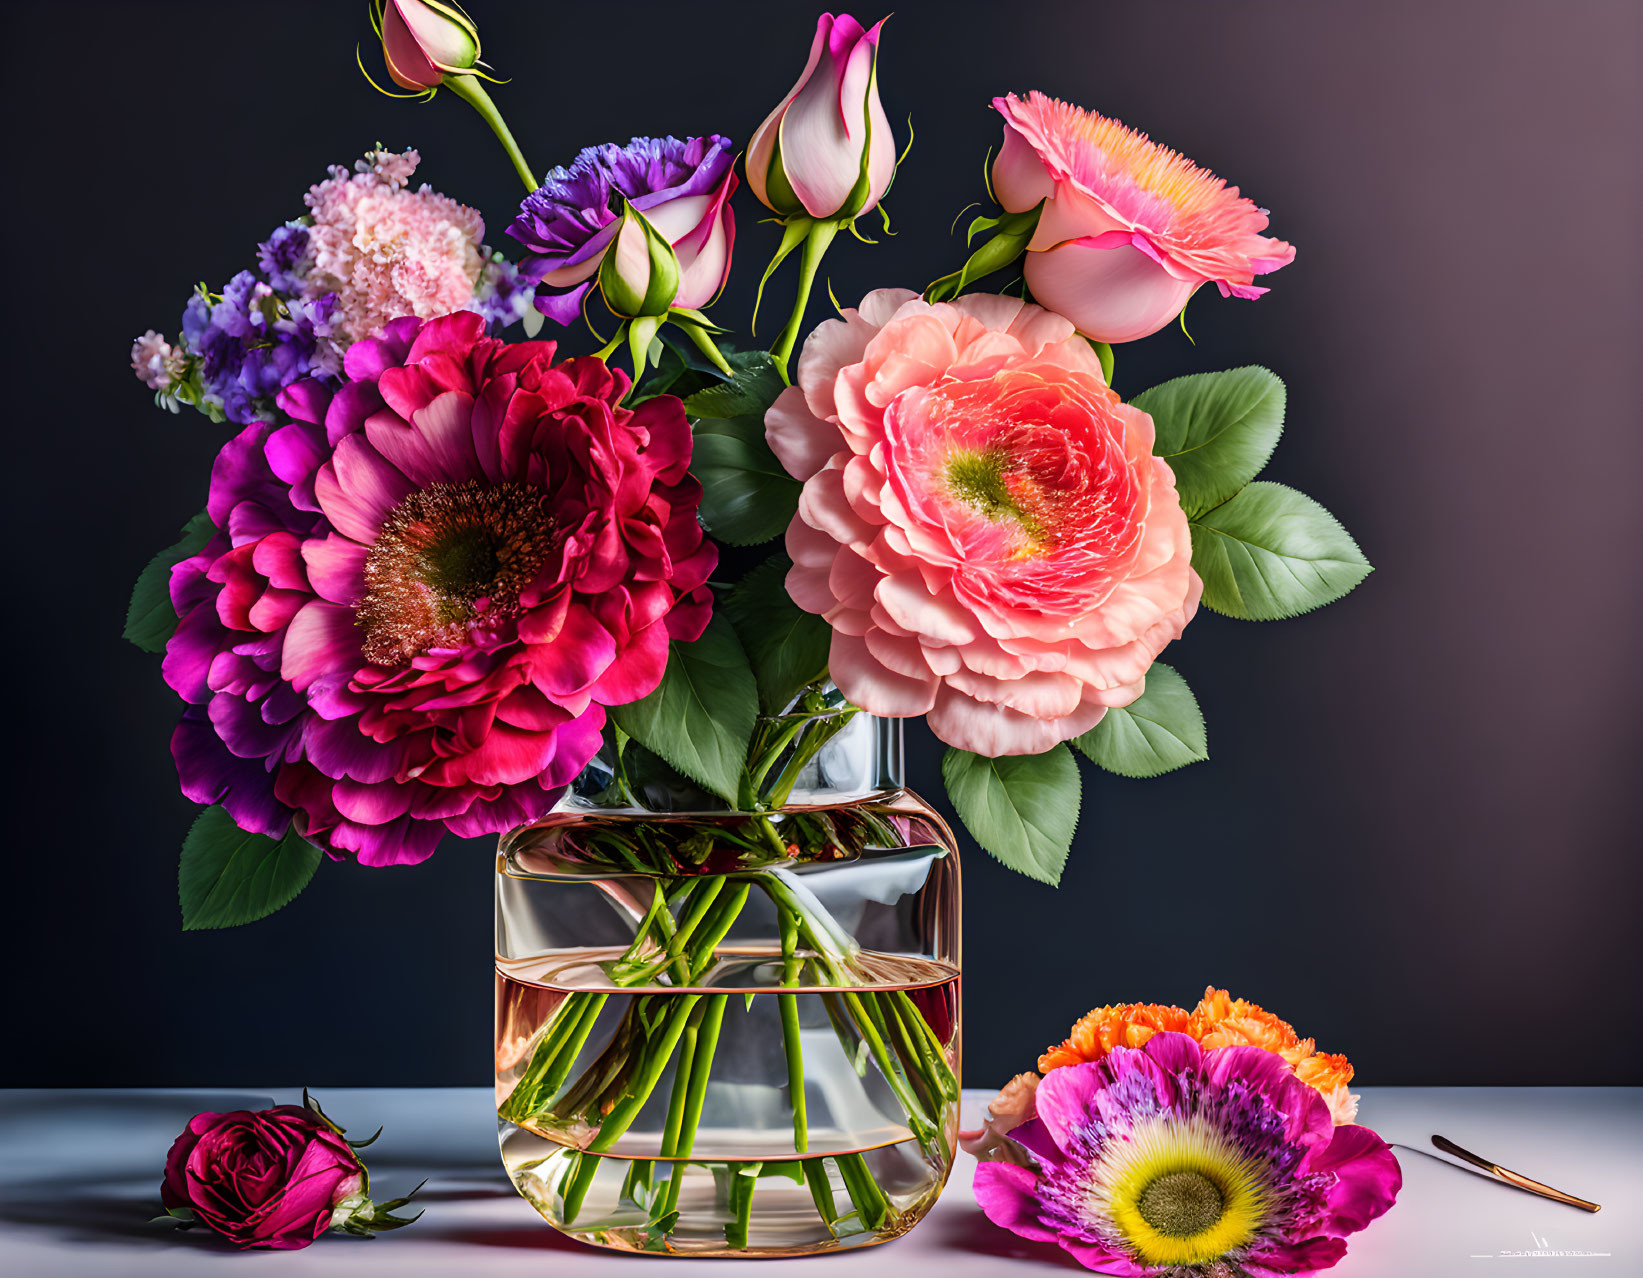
<point x="732" y="1032"/>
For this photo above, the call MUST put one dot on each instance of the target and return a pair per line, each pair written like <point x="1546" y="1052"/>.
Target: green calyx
<point x="639" y="277"/>
<point x="1013" y="232"/>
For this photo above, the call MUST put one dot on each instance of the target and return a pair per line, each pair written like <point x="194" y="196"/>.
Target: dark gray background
<point x="1417" y="836"/>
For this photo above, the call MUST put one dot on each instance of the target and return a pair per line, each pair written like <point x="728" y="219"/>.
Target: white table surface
<point x="80" y="1172"/>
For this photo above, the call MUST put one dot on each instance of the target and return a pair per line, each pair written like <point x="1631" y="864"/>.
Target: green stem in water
<point x="471" y="91"/>
<point x="815" y="246"/>
<point x="701" y="1065"/>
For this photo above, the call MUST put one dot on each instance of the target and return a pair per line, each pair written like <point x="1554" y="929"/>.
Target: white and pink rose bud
<point x="827" y="151"/>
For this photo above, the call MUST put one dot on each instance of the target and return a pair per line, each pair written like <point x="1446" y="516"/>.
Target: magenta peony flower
<point x="273" y="1179"/>
<point x="983" y="522"/>
<point x="426" y="588"/>
<point x="1130" y="229"/>
<point x="1170" y="1160"/>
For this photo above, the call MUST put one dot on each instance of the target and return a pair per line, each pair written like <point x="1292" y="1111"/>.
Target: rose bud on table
<point x="273" y="1178"/>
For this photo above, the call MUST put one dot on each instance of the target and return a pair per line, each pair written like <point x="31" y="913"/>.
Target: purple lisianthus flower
<point x="1170" y="1160"/>
<point x="683" y="190"/>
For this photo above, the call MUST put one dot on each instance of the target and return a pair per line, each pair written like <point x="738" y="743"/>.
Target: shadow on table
<point x="972" y="1233"/>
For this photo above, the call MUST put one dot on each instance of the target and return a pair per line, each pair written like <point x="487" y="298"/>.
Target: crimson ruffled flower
<point x="425" y="588"/>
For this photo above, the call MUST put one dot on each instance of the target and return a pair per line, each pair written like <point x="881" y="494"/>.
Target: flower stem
<point x="471" y="91"/>
<point x="815" y="246"/>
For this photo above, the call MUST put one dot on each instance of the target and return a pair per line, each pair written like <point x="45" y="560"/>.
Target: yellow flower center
<point x="1180" y="1192"/>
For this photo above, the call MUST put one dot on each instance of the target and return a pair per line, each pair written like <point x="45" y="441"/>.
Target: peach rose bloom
<point x="983" y="522"/>
<point x="1130" y="229"/>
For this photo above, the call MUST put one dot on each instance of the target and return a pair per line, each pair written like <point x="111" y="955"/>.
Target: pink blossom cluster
<point x="388" y="251"/>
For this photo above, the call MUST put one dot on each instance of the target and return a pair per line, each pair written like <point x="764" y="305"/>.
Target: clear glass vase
<point x="732" y="1032"/>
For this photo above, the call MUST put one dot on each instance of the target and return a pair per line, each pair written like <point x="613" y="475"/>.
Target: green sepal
<point x="1014" y="233"/>
<point x="150" y="618"/>
<point x="794" y="233"/>
<point x="1103" y="352"/>
<point x="661" y="284"/>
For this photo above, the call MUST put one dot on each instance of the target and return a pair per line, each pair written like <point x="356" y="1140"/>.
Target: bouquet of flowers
<point x="444" y="579"/>
<point x="438" y="571"/>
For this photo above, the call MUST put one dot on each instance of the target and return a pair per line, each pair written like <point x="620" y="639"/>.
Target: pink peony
<point x="983" y="522"/>
<point x="427" y="586"/>
<point x="387" y="251"/>
<point x="1130" y="229"/>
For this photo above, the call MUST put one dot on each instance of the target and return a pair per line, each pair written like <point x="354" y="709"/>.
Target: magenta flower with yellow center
<point x="983" y="522"/>
<point x="1130" y="229"/>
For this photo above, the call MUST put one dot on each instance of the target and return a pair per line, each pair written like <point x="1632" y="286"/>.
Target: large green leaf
<point x="229" y="876"/>
<point x="150" y="619"/>
<point x="701" y="715"/>
<point x="786" y="645"/>
<point x="751" y="391"/>
<point x="747" y="495"/>
<point x="1159" y="731"/>
<point x="1021" y="808"/>
<point x="1216" y="430"/>
<point x="1271" y="552"/>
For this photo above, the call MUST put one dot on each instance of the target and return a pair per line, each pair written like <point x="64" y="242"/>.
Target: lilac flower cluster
<point x="251" y="342"/>
<point x="293" y="316"/>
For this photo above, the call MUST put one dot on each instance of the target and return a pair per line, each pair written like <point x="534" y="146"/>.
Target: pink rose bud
<point x="639" y="274"/>
<point x="1129" y="229"/>
<point x="827" y="150"/>
<point x="423" y="40"/>
<point x="277" y="1178"/>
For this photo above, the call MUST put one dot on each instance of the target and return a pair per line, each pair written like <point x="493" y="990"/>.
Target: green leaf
<point x="747" y="495"/>
<point x="786" y="645"/>
<point x="752" y="390"/>
<point x="1103" y="352"/>
<point x="150" y="619"/>
<point x="1216" y="430"/>
<point x="1022" y="808"/>
<point x="230" y="876"/>
<point x="701" y="715"/>
<point x="1271" y="552"/>
<point x="1158" y="732"/>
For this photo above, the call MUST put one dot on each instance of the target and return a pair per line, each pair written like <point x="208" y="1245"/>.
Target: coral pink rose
<point x="983" y="522"/>
<point x="1130" y="229"/>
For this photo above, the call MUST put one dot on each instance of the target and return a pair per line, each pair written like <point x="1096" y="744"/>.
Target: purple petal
<point x="209" y="774"/>
<point x="563" y="308"/>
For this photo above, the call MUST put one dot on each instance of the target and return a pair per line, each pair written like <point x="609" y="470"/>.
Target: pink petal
<point x="358" y="488"/>
<point x="322" y="639"/>
<point x="873" y="686"/>
<point x="802" y="442"/>
<point x="1112" y="295"/>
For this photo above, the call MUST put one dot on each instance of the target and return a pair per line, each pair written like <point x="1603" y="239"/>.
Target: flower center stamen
<point x="980" y="481"/>
<point x="446" y="557"/>
<point x="1182" y="1204"/>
